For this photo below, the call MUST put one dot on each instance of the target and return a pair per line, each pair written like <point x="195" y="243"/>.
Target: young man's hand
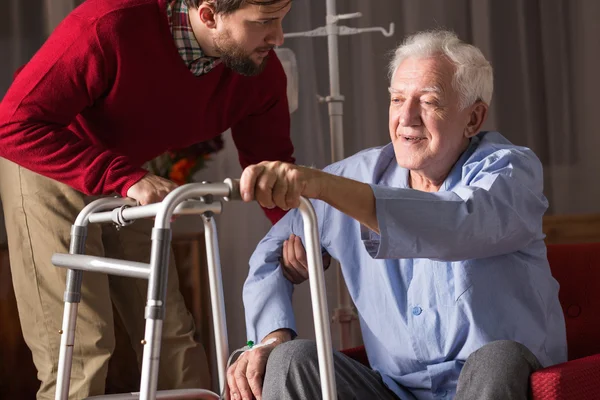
<point x="293" y="262"/>
<point x="150" y="189"/>
<point x="245" y="376"/>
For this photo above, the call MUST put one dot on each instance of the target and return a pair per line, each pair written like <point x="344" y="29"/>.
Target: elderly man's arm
<point x="279" y="184"/>
<point x="496" y="209"/>
<point x="267" y="293"/>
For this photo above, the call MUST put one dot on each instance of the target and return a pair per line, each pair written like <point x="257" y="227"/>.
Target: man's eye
<point x="396" y="100"/>
<point x="263" y="22"/>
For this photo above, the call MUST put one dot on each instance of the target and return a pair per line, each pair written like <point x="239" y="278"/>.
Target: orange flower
<point x="180" y="171"/>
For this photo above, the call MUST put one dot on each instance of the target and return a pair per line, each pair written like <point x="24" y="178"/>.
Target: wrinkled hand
<point x="294" y="263"/>
<point x="245" y="376"/>
<point x="278" y="184"/>
<point x="150" y="189"/>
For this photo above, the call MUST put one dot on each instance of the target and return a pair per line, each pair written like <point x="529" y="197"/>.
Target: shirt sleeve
<point x="264" y="135"/>
<point x="496" y="210"/>
<point x="67" y="75"/>
<point x="267" y="293"/>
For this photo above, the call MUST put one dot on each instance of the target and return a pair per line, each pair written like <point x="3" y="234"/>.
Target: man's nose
<point x="275" y="37"/>
<point x="410" y="113"/>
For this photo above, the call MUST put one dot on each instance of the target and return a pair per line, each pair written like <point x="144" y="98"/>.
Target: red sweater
<point x="108" y="91"/>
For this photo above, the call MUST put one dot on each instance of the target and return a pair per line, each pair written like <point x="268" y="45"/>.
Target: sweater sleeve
<point x="264" y="135"/>
<point x="68" y="75"/>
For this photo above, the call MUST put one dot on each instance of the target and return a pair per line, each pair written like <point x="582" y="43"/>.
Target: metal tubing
<point x="344" y="313"/>
<point x="318" y="300"/>
<point x="78" y="236"/>
<point x="189" y="207"/>
<point x="105" y="203"/>
<point x="170" y="202"/>
<point x="72" y="298"/>
<point x="159" y="273"/>
<point x="161" y="241"/>
<point x="155" y="310"/>
<point x="217" y="298"/>
<point x="156" y="271"/>
<point x="164" y="394"/>
<point x="73" y="291"/>
<point x="336" y="115"/>
<point x="336" y="112"/>
<point x="152" y="339"/>
<point x="65" y="357"/>
<point x="102" y="264"/>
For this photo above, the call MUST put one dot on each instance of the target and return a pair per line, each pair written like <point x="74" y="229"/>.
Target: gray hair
<point x="473" y="78"/>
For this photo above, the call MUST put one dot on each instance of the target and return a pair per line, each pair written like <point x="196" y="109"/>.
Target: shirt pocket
<point x="452" y="281"/>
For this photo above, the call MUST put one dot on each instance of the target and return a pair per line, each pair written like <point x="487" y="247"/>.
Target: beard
<point x="235" y="57"/>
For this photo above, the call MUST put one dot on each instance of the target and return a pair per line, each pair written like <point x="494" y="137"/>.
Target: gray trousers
<point x="498" y="371"/>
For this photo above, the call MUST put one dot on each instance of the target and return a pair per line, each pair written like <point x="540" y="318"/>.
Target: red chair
<point x="577" y="268"/>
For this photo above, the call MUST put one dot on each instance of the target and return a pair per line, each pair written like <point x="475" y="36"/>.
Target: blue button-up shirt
<point x="450" y="271"/>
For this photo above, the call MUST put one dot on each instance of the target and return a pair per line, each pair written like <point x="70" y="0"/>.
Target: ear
<point x="476" y="118"/>
<point x="207" y="15"/>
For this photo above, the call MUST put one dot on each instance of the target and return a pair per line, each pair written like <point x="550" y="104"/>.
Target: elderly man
<point x="439" y="234"/>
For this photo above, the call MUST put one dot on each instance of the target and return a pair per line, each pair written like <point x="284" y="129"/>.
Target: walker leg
<point x="155" y="311"/>
<point x="217" y="298"/>
<point x="72" y="298"/>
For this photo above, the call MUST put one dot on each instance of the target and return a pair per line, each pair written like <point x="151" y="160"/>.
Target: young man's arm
<point x="67" y="75"/>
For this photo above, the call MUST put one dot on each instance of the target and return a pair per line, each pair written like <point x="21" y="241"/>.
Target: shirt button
<point x="417" y="310"/>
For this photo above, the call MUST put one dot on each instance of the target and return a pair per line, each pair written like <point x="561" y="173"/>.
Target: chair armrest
<point x="577" y="379"/>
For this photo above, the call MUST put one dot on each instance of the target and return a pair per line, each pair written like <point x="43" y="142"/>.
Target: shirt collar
<point x="183" y="35"/>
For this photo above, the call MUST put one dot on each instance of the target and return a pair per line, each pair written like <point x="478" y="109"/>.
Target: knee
<point x="498" y="370"/>
<point x="296" y="357"/>
<point x="505" y="348"/>
<point x="291" y="368"/>
<point x="504" y="355"/>
<point x="294" y="353"/>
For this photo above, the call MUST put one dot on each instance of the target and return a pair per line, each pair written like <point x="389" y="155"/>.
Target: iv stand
<point x="344" y="314"/>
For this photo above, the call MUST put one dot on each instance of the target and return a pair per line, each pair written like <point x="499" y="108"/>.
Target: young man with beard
<point x="118" y="83"/>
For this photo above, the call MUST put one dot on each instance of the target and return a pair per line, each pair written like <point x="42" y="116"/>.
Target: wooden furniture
<point x="584" y="228"/>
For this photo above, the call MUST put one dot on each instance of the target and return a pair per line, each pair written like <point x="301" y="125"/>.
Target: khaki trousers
<point x="39" y="213"/>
